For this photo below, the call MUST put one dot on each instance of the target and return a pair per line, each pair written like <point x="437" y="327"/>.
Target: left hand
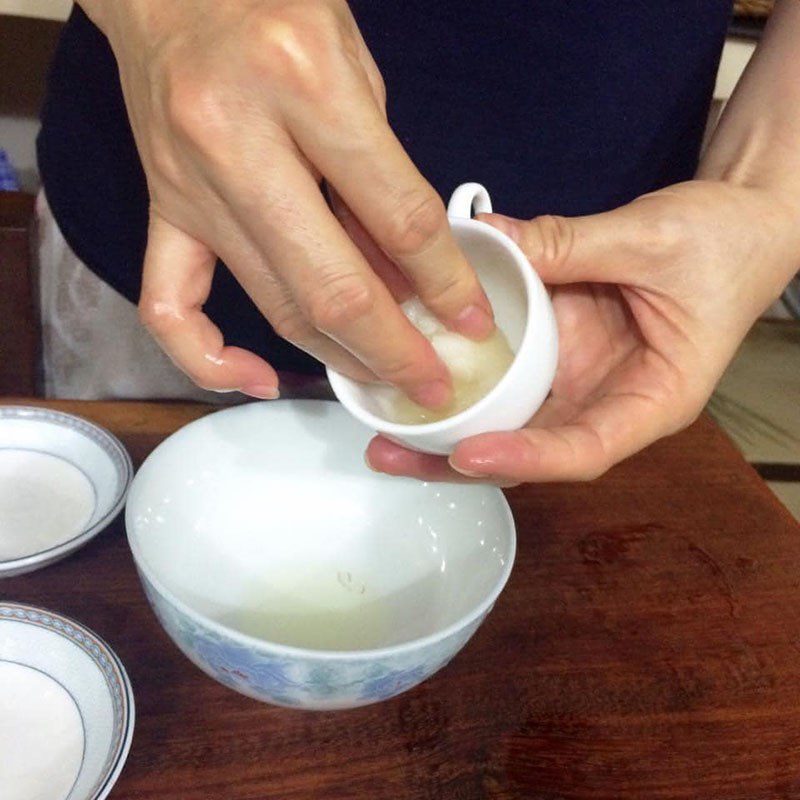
<point x="652" y="300"/>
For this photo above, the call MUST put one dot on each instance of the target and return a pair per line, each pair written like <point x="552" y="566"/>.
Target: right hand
<point x="239" y="110"/>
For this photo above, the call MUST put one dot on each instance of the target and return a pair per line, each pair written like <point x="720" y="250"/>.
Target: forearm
<point x="757" y="142"/>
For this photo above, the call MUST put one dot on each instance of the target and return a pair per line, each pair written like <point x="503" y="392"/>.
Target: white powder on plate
<point x="44" y="501"/>
<point x="41" y="735"/>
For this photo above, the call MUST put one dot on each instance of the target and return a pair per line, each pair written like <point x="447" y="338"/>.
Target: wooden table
<point x="647" y="646"/>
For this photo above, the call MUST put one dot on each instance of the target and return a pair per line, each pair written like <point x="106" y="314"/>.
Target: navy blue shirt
<point x="557" y="107"/>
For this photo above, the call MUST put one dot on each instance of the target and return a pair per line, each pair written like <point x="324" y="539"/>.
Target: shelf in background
<point x="57" y="10"/>
<point x="27" y="46"/>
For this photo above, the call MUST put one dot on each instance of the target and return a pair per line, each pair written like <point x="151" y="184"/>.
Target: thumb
<point x="176" y="282"/>
<point x="601" y="248"/>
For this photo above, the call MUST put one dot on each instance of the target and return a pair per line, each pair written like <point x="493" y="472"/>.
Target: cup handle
<point x="469" y="199"/>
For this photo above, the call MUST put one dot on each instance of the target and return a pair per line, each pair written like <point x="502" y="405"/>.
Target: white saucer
<point x="66" y="708"/>
<point x="63" y="479"/>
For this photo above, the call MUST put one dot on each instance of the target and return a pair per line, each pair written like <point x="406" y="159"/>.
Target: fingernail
<point x="475" y="321"/>
<point x="474" y="470"/>
<point x="262" y="392"/>
<point x="468" y="472"/>
<point x="434" y="394"/>
<point x="368" y="463"/>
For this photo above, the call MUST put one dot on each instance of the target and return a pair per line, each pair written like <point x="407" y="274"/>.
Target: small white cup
<point x="522" y="310"/>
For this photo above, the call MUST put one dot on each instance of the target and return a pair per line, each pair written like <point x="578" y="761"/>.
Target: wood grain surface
<point x="647" y="646"/>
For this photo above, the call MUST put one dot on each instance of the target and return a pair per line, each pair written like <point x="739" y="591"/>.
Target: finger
<point x="609" y="247"/>
<point x="368" y="167"/>
<point x="385" y="456"/>
<point x="175" y="283"/>
<point x="381" y="264"/>
<point x="276" y="303"/>
<point x="612" y="429"/>
<point x="334" y="286"/>
<point x="371" y="70"/>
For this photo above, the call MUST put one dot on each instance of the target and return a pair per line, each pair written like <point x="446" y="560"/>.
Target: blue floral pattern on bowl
<point x="302" y="679"/>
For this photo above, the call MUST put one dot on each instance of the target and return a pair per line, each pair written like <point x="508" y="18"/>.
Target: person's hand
<point x="652" y="300"/>
<point x="240" y="108"/>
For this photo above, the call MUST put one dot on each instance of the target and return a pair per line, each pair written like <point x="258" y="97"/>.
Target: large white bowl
<point x="286" y="569"/>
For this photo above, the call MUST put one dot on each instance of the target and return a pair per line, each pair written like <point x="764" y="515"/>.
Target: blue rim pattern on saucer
<point x="119" y="685"/>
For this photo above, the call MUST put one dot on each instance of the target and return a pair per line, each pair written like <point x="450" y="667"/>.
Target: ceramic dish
<point x="286" y="569"/>
<point x="66" y="708"/>
<point x="63" y="479"/>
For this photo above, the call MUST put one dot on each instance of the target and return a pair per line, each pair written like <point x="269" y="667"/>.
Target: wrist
<point x="765" y="165"/>
<point x="122" y="19"/>
<point x="758" y="158"/>
<point x="97" y="11"/>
